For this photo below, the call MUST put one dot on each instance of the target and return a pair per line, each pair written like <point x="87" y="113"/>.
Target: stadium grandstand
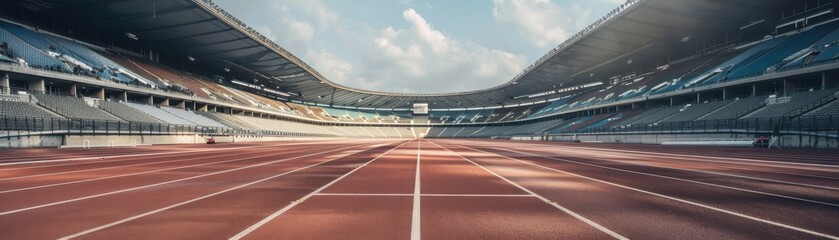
<point x="87" y="76"/>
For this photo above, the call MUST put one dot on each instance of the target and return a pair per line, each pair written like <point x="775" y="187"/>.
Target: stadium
<point x="662" y="119"/>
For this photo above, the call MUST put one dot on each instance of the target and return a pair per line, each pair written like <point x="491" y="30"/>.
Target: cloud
<point x="421" y="58"/>
<point x="542" y="23"/>
<point x="339" y="70"/>
<point x="291" y="32"/>
<point x="413" y="57"/>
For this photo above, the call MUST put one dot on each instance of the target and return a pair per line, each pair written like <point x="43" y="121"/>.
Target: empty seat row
<point x="73" y="107"/>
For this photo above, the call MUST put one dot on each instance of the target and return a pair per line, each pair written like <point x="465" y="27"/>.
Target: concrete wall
<point x="31" y="141"/>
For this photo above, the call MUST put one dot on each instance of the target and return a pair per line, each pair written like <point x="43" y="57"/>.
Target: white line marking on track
<point x="118" y="156"/>
<point x="729" y="160"/>
<point x="88" y="160"/>
<point x="112" y="167"/>
<point x="673" y="198"/>
<point x="367" y="194"/>
<point x="102" y="227"/>
<point x="665" y="177"/>
<point x="415" y="214"/>
<point x="422" y="195"/>
<point x="698" y="171"/>
<point x="140" y="173"/>
<point x="265" y="220"/>
<point x="164" y="183"/>
<point x="552" y="203"/>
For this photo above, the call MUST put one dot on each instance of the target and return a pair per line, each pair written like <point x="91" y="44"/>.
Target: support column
<point x="724" y="94"/>
<point x="754" y="90"/>
<point x="37" y="85"/>
<point x="73" y="90"/>
<point x="5" y="85"/>
<point x="697" y="98"/>
<point x="150" y="100"/>
<point x="124" y="97"/>
<point x="824" y="80"/>
<point x="100" y="94"/>
<point x="203" y="108"/>
<point x="181" y="105"/>
<point x="165" y="102"/>
<point x="784" y="92"/>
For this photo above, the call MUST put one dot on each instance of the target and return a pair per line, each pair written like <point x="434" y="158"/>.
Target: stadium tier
<point x="184" y="119"/>
<point x="757" y="80"/>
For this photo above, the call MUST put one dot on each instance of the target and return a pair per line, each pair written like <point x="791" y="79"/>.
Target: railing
<point x="30" y="126"/>
<point x="811" y="106"/>
<point x="824" y="125"/>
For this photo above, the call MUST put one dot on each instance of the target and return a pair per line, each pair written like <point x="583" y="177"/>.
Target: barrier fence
<point x="103" y="127"/>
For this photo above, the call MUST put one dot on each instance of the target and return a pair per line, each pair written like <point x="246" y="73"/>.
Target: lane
<point x="291" y="215"/>
<point x="393" y="173"/>
<point x="21" y="200"/>
<point x="443" y="172"/>
<point x="224" y="213"/>
<point x="73" y="217"/>
<point x="766" y="179"/>
<point x="634" y="212"/>
<point x="789" y="190"/>
<point x="59" y="177"/>
<point x="342" y="217"/>
<point x="116" y="157"/>
<point x="780" y="156"/>
<point x="501" y="217"/>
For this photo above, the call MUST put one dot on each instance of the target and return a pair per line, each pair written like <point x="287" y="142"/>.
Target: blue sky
<point x="422" y="46"/>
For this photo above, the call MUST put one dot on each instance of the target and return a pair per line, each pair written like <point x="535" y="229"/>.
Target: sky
<point x="418" y="46"/>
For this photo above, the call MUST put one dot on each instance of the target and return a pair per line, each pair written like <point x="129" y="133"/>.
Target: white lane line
<point x="144" y="172"/>
<point x="167" y="182"/>
<point x="707" y="172"/>
<point x="121" y="166"/>
<point x="673" y="198"/>
<point x="422" y="195"/>
<point x="662" y="176"/>
<point x="124" y="220"/>
<point x="117" y="156"/>
<point x="552" y="203"/>
<point x="86" y="160"/>
<point x="729" y="160"/>
<point x="276" y="214"/>
<point x="367" y="194"/>
<point x="475" y="195"/>
<point x="415" y="215"/>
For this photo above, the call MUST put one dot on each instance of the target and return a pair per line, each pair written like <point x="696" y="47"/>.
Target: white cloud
<point x="542" y="23"/>
<point x="338" y="70"/>
<point x="288" y="30"/>
<point x="414" y="58"/>
<point x="424" y="59"/>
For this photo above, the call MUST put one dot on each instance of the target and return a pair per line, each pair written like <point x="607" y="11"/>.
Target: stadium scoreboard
<point x="420" y="108"/>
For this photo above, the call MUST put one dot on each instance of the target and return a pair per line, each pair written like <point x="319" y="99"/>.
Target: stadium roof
<point x="216" y="39"/>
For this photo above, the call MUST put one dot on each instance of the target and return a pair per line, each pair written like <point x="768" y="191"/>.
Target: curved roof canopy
<point x="216" y="40"/>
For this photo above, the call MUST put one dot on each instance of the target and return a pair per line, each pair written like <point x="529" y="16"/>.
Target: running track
<point x="419" y="189"/>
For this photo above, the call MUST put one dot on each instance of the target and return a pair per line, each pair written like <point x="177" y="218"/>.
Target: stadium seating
<point x="695" y="111"/>
<point x="160" y="114"/>
<point x="229" y="120"/>
<point x="127" y="113"/>
<point x="20" y="109"/>
<point x="794" y="102"/>
<point x="831" y="109"/>
<point x="194" y="118"/>
<point x="73" y="107"/>
<point x="33" y="57"/>
<point x="738" y="108"/>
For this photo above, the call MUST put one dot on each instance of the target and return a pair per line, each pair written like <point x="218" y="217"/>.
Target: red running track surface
<point x="418" y="189"/>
